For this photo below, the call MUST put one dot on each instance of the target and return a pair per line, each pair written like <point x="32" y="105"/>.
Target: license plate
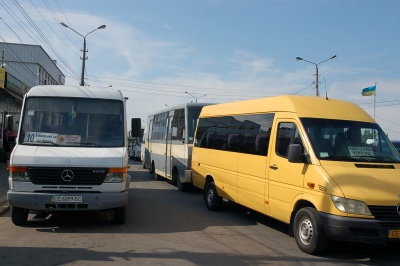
<point x="64" y="199"/>
<point x="394" y="234"/>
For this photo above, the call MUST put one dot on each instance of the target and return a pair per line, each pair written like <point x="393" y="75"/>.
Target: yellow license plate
<point x="394" y="234"/>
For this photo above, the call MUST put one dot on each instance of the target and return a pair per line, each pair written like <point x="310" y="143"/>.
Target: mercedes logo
<point x="67" y="175"/>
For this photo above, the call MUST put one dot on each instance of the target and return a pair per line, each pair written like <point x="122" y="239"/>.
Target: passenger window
<point x="248" y="134"/>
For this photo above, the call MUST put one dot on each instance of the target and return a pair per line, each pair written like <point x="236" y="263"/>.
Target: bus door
<point x="9" y="127"/>
<point x="168" y="146"/>
<point x="147" y="147"/>
<point x="285" y="178"/>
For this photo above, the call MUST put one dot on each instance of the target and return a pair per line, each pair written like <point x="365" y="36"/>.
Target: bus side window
<point x="287" y="134"/>
<point x="261" y="144"/>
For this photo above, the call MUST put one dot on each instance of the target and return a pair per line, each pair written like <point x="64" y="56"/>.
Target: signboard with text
<point x="16" y="85"/>
<point x="2" y="77"/>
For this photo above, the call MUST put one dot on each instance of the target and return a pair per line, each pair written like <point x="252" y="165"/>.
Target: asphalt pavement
<point x="4" y="206"/>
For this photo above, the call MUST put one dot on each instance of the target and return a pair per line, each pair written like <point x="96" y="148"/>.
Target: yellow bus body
<point x="278" y="188"/>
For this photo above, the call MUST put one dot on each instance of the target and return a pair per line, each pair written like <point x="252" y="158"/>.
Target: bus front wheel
<point x="19" y="216"/>
<point x="181" y="186"/>
<point x="308" y="231"/>
<point x="156" y="176"/>
<point x="120" y="214"/>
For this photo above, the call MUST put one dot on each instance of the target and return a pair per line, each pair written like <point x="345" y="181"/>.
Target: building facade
<point x="23" y="66"/>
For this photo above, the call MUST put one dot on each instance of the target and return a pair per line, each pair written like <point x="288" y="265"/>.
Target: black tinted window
<point x="242" y="133"/>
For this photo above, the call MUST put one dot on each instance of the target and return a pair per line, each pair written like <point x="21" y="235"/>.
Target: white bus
<point x="168" y="143"/>
<point x="70" y="153"/>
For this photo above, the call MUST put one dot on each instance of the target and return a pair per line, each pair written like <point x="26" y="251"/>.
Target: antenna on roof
<point x="326" y="92"/>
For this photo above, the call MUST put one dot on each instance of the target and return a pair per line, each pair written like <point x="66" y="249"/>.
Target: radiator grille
<point x="54" y="176"/>
<point x="387" y="215"/>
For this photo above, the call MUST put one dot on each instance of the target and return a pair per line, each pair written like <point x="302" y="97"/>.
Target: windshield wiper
<point x="90" y="144"/>
<point x="358" y="158"/>
<point x="381" y="157"/>
<point x="42" y="143"/>
<point x="337" y="157"/>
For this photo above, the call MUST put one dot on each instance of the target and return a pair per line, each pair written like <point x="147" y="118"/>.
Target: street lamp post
<point x="195" y="96"/>
<point x="316" y="70"/>
<point x="84" y="48"/>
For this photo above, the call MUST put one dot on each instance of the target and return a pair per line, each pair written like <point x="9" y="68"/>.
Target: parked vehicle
<point x="304" y="161"/>
<point x="168" y="143"/>
<point x="135" y="146"/>
<point x="71" y="153"/>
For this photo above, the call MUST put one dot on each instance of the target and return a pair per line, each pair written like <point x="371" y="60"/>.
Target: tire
<point x="181" y="186"/>
<point x="308" y="231"/>
<point x="120" y="214"/>
<point x="213" y="200"/>
<point x="19" y="216"/>
<point x="155" y="175"/>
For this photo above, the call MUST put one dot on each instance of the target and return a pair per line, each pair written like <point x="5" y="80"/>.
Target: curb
<point x="4" y="206"/>
<point x="4" y="173"/>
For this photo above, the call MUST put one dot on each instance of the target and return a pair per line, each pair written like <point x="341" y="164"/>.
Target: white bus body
<point x="168" y="143"/>
<point x="70" y="153"/>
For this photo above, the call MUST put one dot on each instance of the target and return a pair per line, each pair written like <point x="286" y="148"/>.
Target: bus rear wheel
<point x="213" y="200"/>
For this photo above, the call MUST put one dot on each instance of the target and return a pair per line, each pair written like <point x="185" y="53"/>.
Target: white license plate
<point x="65" y="199"/>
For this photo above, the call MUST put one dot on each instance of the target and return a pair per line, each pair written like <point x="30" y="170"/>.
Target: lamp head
<point x="299" y="58"/>
<point x="332" y="57"/>
<point x="63" y="24"/>
<point x="102" y="27"/>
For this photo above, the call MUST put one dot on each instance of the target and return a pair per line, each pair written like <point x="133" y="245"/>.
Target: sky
<point x="162" y="53"/>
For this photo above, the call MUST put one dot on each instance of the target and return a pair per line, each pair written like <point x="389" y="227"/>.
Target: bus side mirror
<point x="136" y="127"/>
<point x="294" y="153"/>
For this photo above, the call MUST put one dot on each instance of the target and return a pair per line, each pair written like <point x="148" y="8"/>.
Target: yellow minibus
<point x="323" y="166"/>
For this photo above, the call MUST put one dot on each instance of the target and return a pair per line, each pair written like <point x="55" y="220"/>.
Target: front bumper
<point x="357" y="229"/>
<point x="44" y="202"/>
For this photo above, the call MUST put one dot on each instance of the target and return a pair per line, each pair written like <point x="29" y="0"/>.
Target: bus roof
<point x="75" y="92"/>
<point x="304" y="106"/>
<point x="180" y="106"/>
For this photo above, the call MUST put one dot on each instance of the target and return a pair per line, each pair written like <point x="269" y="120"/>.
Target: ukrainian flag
<point x="369" y="91"/>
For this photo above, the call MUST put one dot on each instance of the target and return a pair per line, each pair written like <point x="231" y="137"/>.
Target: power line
<point x="15" y="54"/>
<point x="185" y="86"/>
<point x="42" y="35"/>
<point x="67" y="33"/>
<point x="44" y="19"/>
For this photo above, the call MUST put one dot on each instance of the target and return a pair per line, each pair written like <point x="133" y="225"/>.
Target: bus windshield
<point x="72" y="122"/>
<point x="343" y="140"/>
<point x="193" y="116"/>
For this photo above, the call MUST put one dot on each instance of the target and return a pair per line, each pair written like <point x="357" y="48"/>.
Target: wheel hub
<point x="210" y="196"/>
<point x="306" y="231"/>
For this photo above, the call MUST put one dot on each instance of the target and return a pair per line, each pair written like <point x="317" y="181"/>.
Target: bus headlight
<point x="19" y="174"/>
<point x="116" y="175"/>
<point x="350" y="206"/>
